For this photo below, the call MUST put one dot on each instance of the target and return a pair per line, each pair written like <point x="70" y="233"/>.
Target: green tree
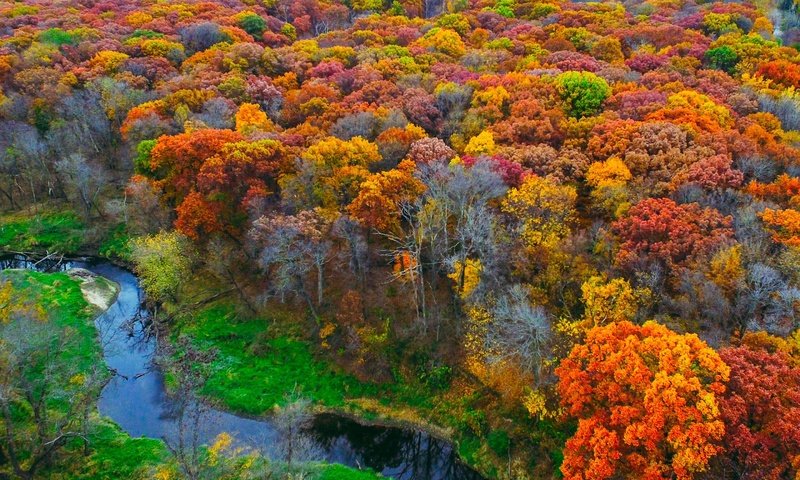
<point x="722" y="58"/>
<point x="252" y="24"/>
<point x="583" y="92"/>
<point x="162" y="262"/>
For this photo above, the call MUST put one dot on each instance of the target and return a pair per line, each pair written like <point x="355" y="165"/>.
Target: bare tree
<point x="82" y="181"/>
<point x="190" y="368"/>
<point x="520" y="331"/>
<point x="768" y="302"/>
<point x="291" y="247"/>
<point x="294" y="442"/>
<point x="351" y="232"/>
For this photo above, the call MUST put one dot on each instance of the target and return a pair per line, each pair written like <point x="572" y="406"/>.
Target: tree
<point x="519" y="332"/>
<point x="608" y="301"/>
<point x="713" y="173"/>
<point x="189" y="369"/>
<point x="723" y="58"/>
<point x="163" y="263"/>
<point x="481" y="144"/>
<point x="251" y="119"/>
<point x="783" y="224"/>
<point x="583" y="92"/>
<point x="230" y="183"/>
<point x="292" y="422"/>
<point x="542" y="209"/>
<point x="767" y="301"/>
<point x="761" y="411"/>
<point x="289" y="248"/>
<point x="646" y="403"/>
<point x="609" y="181"/>
<point x="201" y="36"/>
<point x="177" y="159"/>
<point x="251" y="23"/>
<point x="330" y="173"/>
<point x="661" y="230"/>
<point x="430" y="150"/>
<point x="45" y="397"/>
<point x="83" y="181"/>
<point x="380" y="196"/>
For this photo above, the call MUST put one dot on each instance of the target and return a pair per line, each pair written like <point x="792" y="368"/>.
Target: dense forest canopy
<point x="578" y="221"/>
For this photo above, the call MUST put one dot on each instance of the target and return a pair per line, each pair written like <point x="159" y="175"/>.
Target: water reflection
<point x="396" y="452"/>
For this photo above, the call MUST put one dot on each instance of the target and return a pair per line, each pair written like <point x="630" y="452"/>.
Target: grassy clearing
<point x="52" y="231"/>
<point x="340" y="472"/>
<point x="257" y="366"/>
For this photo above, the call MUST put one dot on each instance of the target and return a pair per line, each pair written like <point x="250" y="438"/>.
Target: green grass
<point x="116" y="243"/>
<point x="114" y="454"/>
<point x="56" y="231"/>
<point x="340" y="472"/>
<point x="254" y="372"/>
<point x="62" y="299"/>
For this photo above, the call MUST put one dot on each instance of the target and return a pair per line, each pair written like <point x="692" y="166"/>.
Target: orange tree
<point x="646" y="402"/>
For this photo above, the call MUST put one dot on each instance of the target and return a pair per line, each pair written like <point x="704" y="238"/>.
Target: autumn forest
<point x="411" y="239"/>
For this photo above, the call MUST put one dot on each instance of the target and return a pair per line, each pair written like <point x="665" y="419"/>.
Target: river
<point x="137" y="400"/>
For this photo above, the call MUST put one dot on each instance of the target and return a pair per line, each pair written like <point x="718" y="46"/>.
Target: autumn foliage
<point x="761" y="411"/>
<point x="646" y="403"/>
<point x="491" y="191"/>
<point x="661" y="230"/>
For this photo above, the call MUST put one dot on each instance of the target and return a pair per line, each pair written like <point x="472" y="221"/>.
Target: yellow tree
<point x="251" y="119"/>
<point x="543" y="209"/>
<point x="609" y="180"/>
<point x="331" y="173"/>
<point x="608" y="301"/>
<point x="481" y="144"/>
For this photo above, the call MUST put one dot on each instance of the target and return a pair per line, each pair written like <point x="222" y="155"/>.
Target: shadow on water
<point x="137" y="400"/>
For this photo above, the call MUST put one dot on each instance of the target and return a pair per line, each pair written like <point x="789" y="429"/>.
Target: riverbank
<point x="70" y="301"/>
<point x="113" y="454"/>
<point x="263" y="359"/>
<point x="259" y="359"/>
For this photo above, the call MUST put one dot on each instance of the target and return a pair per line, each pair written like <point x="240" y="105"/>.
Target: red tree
<point x="660" y="229"/>
<point x="761" y="411"/>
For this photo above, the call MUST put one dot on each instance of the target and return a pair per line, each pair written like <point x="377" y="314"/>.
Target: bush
<point x="117" y="243"/>
<point x="473" y="421"/>
<point x="436" y="378"/>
